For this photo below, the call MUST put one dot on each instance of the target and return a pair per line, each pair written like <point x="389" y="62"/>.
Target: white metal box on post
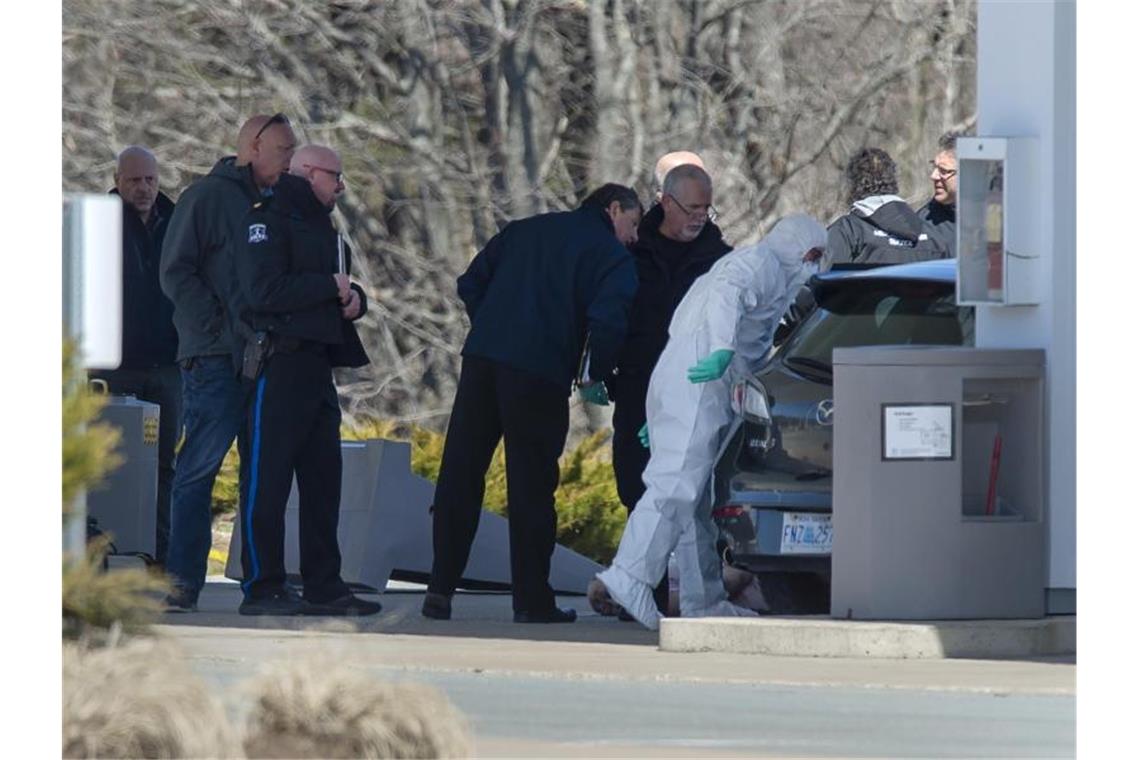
<point x="92" y="309"/>
<point x="999" y="254"/>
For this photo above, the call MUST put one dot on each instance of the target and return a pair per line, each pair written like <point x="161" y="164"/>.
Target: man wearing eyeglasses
<point x="677" y="242"/>
<point x="941" y="211"/>
<point x="197" y="275"/>
<point x="298" y="306"/>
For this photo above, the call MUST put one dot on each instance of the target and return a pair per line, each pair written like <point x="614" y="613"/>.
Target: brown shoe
<point x="600" y="600"/>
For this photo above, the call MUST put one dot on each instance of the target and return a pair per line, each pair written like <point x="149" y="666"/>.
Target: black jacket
<point x="149" y="337"/>
<point x="880" y="230"/>
<point x="665" y="271"/>
<point x="285" y="266"/>
<point x="197" y="261"/>
<point x="541" y="285"/>
<point x="942" y="222"/>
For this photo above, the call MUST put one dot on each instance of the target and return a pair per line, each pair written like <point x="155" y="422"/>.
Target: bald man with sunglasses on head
<point x="197" y="275"/>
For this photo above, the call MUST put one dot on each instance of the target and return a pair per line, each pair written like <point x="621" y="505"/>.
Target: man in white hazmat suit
<point x="720" y="333"/>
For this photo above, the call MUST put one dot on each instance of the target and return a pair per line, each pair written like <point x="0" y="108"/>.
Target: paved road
<point x="600" y="688"/>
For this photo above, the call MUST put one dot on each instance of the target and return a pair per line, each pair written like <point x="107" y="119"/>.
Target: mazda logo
<point x="824" y="412"/>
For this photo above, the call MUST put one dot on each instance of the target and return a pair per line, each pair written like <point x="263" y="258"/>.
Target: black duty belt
<point x="284" y="344"/>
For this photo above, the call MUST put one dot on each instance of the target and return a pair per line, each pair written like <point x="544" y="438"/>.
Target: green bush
<point x="590" y="515"/>
<point x="95" y="601"/>
<point x="225" y="493"/>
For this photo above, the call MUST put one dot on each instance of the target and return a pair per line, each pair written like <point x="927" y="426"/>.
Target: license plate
<point x="806" y="533"/>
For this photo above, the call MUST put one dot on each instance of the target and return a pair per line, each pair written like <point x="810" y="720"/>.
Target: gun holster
<point x="257" y="350"/>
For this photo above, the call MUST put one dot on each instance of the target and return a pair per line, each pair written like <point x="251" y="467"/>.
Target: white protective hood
<point x="740" y="300"/>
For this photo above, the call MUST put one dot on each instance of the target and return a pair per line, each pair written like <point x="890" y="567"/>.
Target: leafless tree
<point x="454" y="116"/>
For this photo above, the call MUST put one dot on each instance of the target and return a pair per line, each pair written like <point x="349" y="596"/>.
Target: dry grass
<point x="319" y="707"/>
<point x="139" y="700"/>
<point x="96" y="599"/>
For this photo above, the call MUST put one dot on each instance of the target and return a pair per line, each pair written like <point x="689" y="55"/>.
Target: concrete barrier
<point x="385" y="528"/>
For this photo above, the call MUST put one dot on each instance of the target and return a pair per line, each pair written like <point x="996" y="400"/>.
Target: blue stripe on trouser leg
<point x="251" y="499"/>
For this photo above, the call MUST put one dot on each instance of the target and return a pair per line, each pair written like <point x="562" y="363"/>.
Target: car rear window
<point x="881" y="314"/>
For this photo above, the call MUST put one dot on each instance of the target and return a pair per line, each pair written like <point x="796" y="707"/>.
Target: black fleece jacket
<point x="197" y="272"/>
<point x="942" y="222"/>
<point x="666" y="270"/>
<point x="881" y="230"/>
<point x="285" y="265"/>
<point x="149" y="337"/>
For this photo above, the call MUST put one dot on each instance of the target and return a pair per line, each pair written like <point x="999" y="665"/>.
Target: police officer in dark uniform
<point x="296" y="311"/>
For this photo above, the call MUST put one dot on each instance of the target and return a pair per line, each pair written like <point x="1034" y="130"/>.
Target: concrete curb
<point x="815" y="637"/>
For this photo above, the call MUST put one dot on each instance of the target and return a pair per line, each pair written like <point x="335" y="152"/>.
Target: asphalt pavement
<point x="603" y="688"/>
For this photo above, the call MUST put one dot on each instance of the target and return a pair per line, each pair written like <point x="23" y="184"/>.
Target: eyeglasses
<point x="338" y="175"/>
<point x="943" y="173"/>
<point x="709" y="211"/>
<point x="277" y="118"/>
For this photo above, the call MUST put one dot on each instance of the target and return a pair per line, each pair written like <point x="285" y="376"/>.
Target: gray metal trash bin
<point x="126" y="504"/>
<point x="938" y="483"/>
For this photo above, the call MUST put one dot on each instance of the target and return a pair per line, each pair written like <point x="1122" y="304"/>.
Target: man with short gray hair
<point x="941" y="211"/>
<point x="677" y="242"/>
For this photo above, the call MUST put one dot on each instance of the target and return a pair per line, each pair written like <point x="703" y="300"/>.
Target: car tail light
<point x="751" y="399"/>
<point x="729" y="510"/>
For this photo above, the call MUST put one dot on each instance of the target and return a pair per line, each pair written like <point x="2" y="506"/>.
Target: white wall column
<point x="1027" y="87"/>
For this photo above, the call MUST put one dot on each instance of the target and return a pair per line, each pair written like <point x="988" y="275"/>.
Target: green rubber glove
<point x="594" y="393"/>
<point x="643" y="435"/>
<point x="712" y="367"/>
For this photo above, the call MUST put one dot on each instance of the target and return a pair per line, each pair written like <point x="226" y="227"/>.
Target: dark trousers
<point x="162" y="386"/>
<point x="293" y="420"/>
<point x="629" y="456"/>
<point x="213" y="401"/>
<point x="531" y="415"/>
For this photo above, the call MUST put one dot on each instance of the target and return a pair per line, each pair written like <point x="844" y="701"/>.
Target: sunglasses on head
<point x="277" y="118"/>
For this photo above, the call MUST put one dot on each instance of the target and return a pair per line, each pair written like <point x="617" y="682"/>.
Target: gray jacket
<point x="197" y="272"/>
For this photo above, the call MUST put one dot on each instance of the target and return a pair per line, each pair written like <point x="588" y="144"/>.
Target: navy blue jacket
<point x="149" y="338"/>
<point x="544" y="283"/>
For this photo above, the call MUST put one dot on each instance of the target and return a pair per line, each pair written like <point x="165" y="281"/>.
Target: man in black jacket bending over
<point x="147" y="370"/>
<point x="534" y="294"/>
<point x="677" y="242"/>
<point x="299" y="306"/>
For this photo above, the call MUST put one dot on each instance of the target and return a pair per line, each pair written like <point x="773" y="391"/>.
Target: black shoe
<point x="348" y="605"/>
<point x="553" y="615"/>
<point x="436" y="606"/>
<point x="180" y="602"/>
<point x="284" y="601"/>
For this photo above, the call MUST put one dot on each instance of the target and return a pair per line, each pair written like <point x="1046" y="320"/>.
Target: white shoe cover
<point x="724" y="608"/>
<point x="633" y="595"/>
